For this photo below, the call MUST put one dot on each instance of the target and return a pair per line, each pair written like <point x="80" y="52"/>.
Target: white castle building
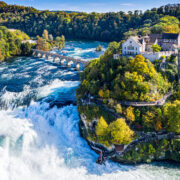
<point x="135" y="45"/>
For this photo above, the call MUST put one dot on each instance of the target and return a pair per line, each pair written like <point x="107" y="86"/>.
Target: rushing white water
<point x="39" y="134"/>
<point x="42" y="143"/>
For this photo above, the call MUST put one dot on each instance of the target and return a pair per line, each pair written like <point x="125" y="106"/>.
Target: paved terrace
<point x="64" y="60"/>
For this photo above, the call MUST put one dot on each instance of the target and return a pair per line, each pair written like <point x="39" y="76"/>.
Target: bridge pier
<point x="48" y="57"/>
<point x="34" y="53"/>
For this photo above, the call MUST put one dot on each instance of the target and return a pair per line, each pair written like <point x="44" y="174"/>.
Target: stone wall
<point x="152" y="56"/>
<point x="149" y="55"/>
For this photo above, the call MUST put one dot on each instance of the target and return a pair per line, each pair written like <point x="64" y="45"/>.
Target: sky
<point x="93" y="5"/>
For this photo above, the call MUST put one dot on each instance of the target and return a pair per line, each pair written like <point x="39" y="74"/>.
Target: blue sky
<point x="93" y="5"/>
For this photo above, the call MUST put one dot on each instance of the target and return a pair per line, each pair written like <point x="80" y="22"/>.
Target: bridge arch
<point x="43" y="56"/>
<point x="64" y="62"/>
<point x="39" y="55"/>
<point x="48" y="57"/>
<point x="71" y="64"/>
<point x="56" y="59"/>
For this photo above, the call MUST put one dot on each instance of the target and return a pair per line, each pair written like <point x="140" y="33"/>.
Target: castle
<point x="135" y="45"/>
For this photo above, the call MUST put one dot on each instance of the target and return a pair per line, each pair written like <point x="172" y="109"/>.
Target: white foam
<point x="63" y="85"/>
<point x="57" y="152"/>
<point x="10" y="98"/>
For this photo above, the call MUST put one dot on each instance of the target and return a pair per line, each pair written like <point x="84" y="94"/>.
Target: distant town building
<point x="12" y="30"/>
<point x="30" y="41"/>
<point x="135" y="45"/>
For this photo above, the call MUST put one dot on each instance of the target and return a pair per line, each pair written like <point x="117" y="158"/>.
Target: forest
<point x="11" y="43"/>
<point x="91" y="26"/>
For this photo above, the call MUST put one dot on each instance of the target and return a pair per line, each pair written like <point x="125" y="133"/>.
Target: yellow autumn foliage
<point x="129" y="112"/>
<point x="120" y="132"/>
<point x="101" y="128"/>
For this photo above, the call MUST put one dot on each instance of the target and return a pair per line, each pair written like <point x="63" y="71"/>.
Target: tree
<point x="167" y="24"/>
<point x="172" y="115"/>
<point x="45" y="34"/>
<point x="156" y="48"/>
<point x="1" y="57"/>
<point x="118" y="108"/>
<point x="60" y="42"/>
<point x="42" y="44"/>
<point x="26" y="48"/>
<point x="101" y="93"/>
<point x="139" y="65"/>
<point x="120" y="132"/>
<point x="101" y="128"/>
<point x="130" y="114"/>
<point x="99" y="48"/>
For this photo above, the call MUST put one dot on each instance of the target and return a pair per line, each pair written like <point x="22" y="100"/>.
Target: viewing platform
<point x="66" y="61"/>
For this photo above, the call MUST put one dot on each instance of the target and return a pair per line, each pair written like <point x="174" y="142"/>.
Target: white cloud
<point x="127" y="4"/>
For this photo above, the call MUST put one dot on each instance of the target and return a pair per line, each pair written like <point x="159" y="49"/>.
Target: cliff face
<point x="142" y="150"/>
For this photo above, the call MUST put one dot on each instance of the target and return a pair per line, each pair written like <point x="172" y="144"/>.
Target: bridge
<point x="78" y="64"/>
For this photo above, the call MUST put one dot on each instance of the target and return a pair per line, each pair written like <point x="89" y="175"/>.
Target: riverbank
<point x="148" y="147"/>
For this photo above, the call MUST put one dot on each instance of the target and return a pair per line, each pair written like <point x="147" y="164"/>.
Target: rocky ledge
<point x="147" y="148"/>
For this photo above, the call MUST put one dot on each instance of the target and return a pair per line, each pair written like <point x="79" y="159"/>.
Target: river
<point x="39" y="134"/>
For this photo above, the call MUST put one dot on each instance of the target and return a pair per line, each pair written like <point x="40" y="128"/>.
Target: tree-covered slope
<point x="124" y="79"/>
<point x="109" y="84"/>
<point x="11" y="43"/>
<point x="95" y="26"/>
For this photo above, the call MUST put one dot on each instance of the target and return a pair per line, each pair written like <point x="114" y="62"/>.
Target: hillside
<point x="11" y="43"/>
<point x="115" y="103"/>
<point x="93" y="26"/>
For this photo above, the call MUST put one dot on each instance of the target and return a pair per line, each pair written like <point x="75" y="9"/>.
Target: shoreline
<point x="150" y="138"/>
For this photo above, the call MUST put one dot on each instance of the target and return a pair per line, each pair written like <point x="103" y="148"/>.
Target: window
<point x="130" y="47"/>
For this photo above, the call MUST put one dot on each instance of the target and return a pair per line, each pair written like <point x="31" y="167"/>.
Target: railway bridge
<point x="78" y="64"/>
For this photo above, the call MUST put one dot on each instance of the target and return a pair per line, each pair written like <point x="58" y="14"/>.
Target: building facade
<point x="135" y="45"/>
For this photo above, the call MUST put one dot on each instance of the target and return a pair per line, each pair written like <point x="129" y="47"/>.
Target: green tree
<point x="60" y="42"/>
<point x="129" y="112"/>
<point x="156" y="48"/>
<point x="26" y="48"/>
<point x="45" y="34"/>
<point x="172" y="115"/>
<point x="118" y="108"/>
